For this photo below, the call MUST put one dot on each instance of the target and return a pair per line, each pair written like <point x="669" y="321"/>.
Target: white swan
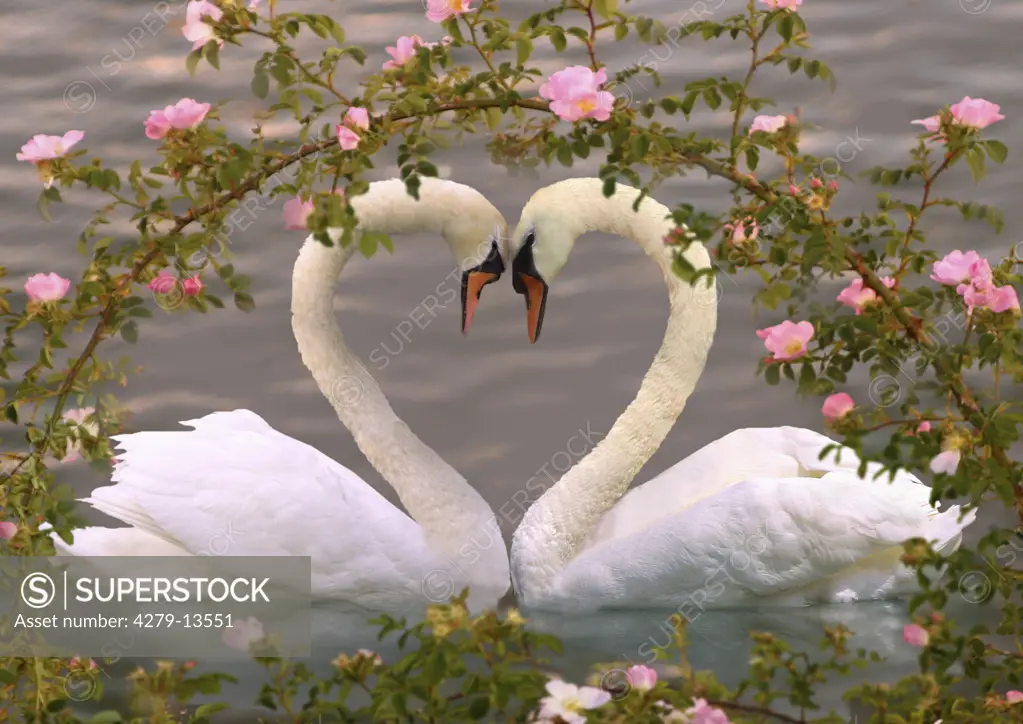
<point x="754" y="516"/>
<point x="188" y="493"/>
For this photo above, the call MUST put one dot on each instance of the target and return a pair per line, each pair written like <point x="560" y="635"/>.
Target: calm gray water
<point x="495" y="407"/>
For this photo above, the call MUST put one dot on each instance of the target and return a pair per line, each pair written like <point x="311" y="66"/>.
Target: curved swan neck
<point x="555" y="528"/>
<point x="449" y="511"/>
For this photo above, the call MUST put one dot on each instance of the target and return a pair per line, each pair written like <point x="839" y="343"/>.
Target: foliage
<point x="488" y="668"/>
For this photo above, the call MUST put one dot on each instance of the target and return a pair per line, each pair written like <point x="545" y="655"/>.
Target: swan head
<point x="540" y="247"/>
<point x="482" y="263"/>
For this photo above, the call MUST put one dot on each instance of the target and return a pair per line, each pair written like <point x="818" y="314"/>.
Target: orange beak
<point x="471" y="291"/>
<point x="536" y="301"/>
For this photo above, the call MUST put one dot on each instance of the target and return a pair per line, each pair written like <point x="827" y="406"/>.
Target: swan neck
<point x="451" y="514"/>
<point x="555" y="529"/>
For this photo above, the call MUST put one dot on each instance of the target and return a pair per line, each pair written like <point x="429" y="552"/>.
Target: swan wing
<point x="753" y="452"/>
<point x="235" y="486"/>
<point x="836" y="537"/>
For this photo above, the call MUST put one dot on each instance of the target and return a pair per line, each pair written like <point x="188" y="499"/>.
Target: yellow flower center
<point x="793" y="346"/>
<point x="573" y="705"/>
<point x="586" y="105"/>
<point x="455" y="5"/>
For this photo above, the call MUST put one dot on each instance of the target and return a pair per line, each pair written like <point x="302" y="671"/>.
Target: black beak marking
<point x="493" y="264"/>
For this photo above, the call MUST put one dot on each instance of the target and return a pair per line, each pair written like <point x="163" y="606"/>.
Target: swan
<point x="755" y="516"/>
<point x="184" y="492"/>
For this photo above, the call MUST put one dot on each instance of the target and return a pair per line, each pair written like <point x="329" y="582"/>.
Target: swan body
<point x="235" y="486"/>
<point x="754" y="516"/>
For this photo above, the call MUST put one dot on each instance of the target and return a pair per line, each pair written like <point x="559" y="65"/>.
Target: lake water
<point x="492" y="405"/>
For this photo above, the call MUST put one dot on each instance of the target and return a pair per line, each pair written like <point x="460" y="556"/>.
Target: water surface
<point x="495" y="407"/>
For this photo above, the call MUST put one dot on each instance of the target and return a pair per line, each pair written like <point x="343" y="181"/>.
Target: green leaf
<point x="752" y="157"/>
<point x="558" y="39"/>
<point x="105" y="717"/>
<point x="605" y="8"/>
<point x="207" y="709"/>
<point x="492" y="116"/>
<point x="192" y="61"/>
<point x="479" y="707"/>
<point x="996" y="151"/>
<point x="244" y="301"/>
<point x="130" y="332"/>
<point x="212" y="52"/>
<point x="565" y="154"/>
<point x="337" y="32"/>
<point x="807" y="377"/>
<point x="260" y="84"/>
<point x="11" y="413"/>
<point x="43" y="205"/>
<point x="773" y="374"/>
<point x="523" y="49"/>
<point x="367" y="244"/>
<point x="975" y="160"/>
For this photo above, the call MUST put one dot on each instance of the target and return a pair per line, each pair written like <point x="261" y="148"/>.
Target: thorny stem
<point x="740" y="99"/>
<point x="590" y="43"/>
<point x="486" y="58"/>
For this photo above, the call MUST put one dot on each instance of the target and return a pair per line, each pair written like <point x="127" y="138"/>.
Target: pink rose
<point x="641" y="678"/>
<point x="45" y="148"/>
<point x="192" y="286"/>
<point x="1014" y="696"/>
<point x="922" y="427"/>
<point x="163" y="283"/>
<point x="438" y="11"/>
<point x="787" y="341"/>
<point x="743" y="231"/>
<point x="915" y="635"/>
<point x="945" y="462"/>
<point x="768" y="124"/>
<point x="195" y="29"/>
<point x="782" y="4"/>
<point x="357" y="118"/>
<point x="575" y="94"/>
<point x="982" y="293"/>
<point x="955" y="267"/>
<point x="931" y="125"/>
<point x="347" y="138"/>
<point x="856" y="295"/>
<point x="703" y="713"/>
<point x="403" y="51"/>
<point x="186" y="114"/>
<point x="157" y="125"/>
<point x="976" y="112"/>
<point x="296" y="212"/>
<point x="8" y="530"/>
<point x="837" y="406"/>
<point x="46" y="287"/>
